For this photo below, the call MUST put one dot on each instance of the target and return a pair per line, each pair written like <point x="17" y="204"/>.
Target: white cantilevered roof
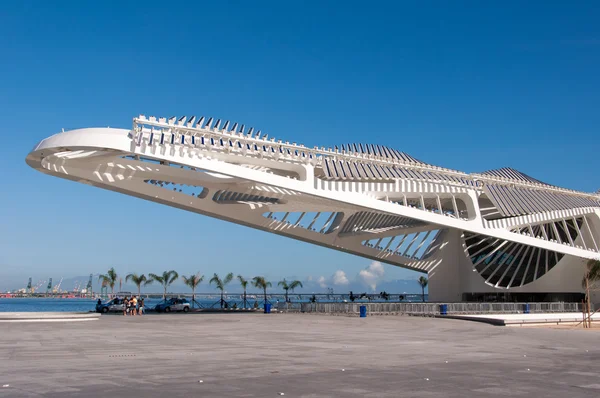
<point x="511" y="191"/>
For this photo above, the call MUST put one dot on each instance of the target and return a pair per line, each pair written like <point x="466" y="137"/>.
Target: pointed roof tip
<point x="513" y="174"/>
<point x="381" y="152"/>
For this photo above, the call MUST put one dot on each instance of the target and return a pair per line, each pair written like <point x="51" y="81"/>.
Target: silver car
<point x="114" y="305"/>
<point x="173" y="304"/>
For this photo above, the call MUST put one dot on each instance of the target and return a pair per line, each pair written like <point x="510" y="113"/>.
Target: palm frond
<point x="283" y="284"/>
<point x="258" y="281"/>
<point x="243" y="281"/>
<point x="112" y="274"/>
<point x="220" y="283"/>
<point x="172" y="276"/>
<point x="592" y="273"/>
<point x="295" y="284"/>
<point x="153" y="276"/>
<point x="594" y="270"/>
<point x="217" y="281"/>
<point x="156" y="278"/>
<point x="109" y="279"/>
<point x="192" y="281"/>
<point x="136" y="279"/>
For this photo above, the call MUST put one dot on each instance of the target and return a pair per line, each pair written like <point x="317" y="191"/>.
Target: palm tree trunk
<point x="265" y="295"/>
<point x="286" y="295"/>
<point x="423" y="293"/>
<point x="587" y="301"/>
<point x="221" y="298"/>
<point x="165" y="294"/>
<point x="139" y="290"/>
<point x="244" y="298"/>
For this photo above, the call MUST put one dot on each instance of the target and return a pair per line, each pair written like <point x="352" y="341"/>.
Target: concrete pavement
<point x="48" y="316"/>
<point x="257" y="355"/>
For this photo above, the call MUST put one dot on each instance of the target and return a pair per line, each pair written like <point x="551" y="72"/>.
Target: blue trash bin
<point x="363" y="311"/>
<point x="443" y="309"/>
<point x="267" y="308"/>
<point x="526" y="308"/>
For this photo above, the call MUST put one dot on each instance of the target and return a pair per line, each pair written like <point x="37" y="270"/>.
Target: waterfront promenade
<point x="257" y="355"/>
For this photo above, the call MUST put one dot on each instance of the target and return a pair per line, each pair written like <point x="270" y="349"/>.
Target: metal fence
<point x="428" y="309"/>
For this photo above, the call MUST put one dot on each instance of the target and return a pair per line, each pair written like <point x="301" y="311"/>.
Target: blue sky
<point x="465" y="85"/>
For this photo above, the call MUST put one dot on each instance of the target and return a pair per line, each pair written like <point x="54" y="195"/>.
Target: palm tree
<point x="166" y="279"/>
<point x="244" y="283"/>
<point x="104" y="284"/>
<point x="590" y="278"/>
<point x="291" y="286"/>
<point x="423" y="282"/>
<point x="220" y="283"/>
<point x="261" y="283"/>
<point x="193" y="281"/>
<point x="109" y="279"/>
<point x="138" y="280"/>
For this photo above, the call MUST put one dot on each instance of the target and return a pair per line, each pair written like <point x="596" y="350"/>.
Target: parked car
<point x="173" y="304"/>
<point x="114" y="305"/>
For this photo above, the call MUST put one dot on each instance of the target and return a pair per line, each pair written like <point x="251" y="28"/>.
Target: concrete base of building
<point x="565" y="318"/>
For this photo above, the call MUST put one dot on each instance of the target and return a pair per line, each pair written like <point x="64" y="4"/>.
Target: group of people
<point x="133" y="306"/>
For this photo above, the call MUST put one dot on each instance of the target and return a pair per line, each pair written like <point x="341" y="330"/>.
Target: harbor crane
<point x="49" y="287"/>
<point x="56" y="288"/>
<point x="89" y="286"/>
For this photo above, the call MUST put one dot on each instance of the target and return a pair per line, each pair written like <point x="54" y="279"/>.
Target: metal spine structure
<point x="494" y="231"/>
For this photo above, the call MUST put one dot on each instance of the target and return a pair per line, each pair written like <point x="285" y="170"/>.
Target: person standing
<point x="133" y="306"/>
<point x="125" y="305"/>
<point x="141" y="303"/>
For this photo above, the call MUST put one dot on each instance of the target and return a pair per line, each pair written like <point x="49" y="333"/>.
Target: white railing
<point x="431" y="309"/>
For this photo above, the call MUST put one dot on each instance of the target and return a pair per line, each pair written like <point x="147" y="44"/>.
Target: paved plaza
<point x="295" y="355"/>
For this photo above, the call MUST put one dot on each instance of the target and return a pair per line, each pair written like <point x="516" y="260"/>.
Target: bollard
<point x="526" y="308"/>
<point x="443" y="309"/>
<point x="267" y="308"/>
<point x="363" y="311"/>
